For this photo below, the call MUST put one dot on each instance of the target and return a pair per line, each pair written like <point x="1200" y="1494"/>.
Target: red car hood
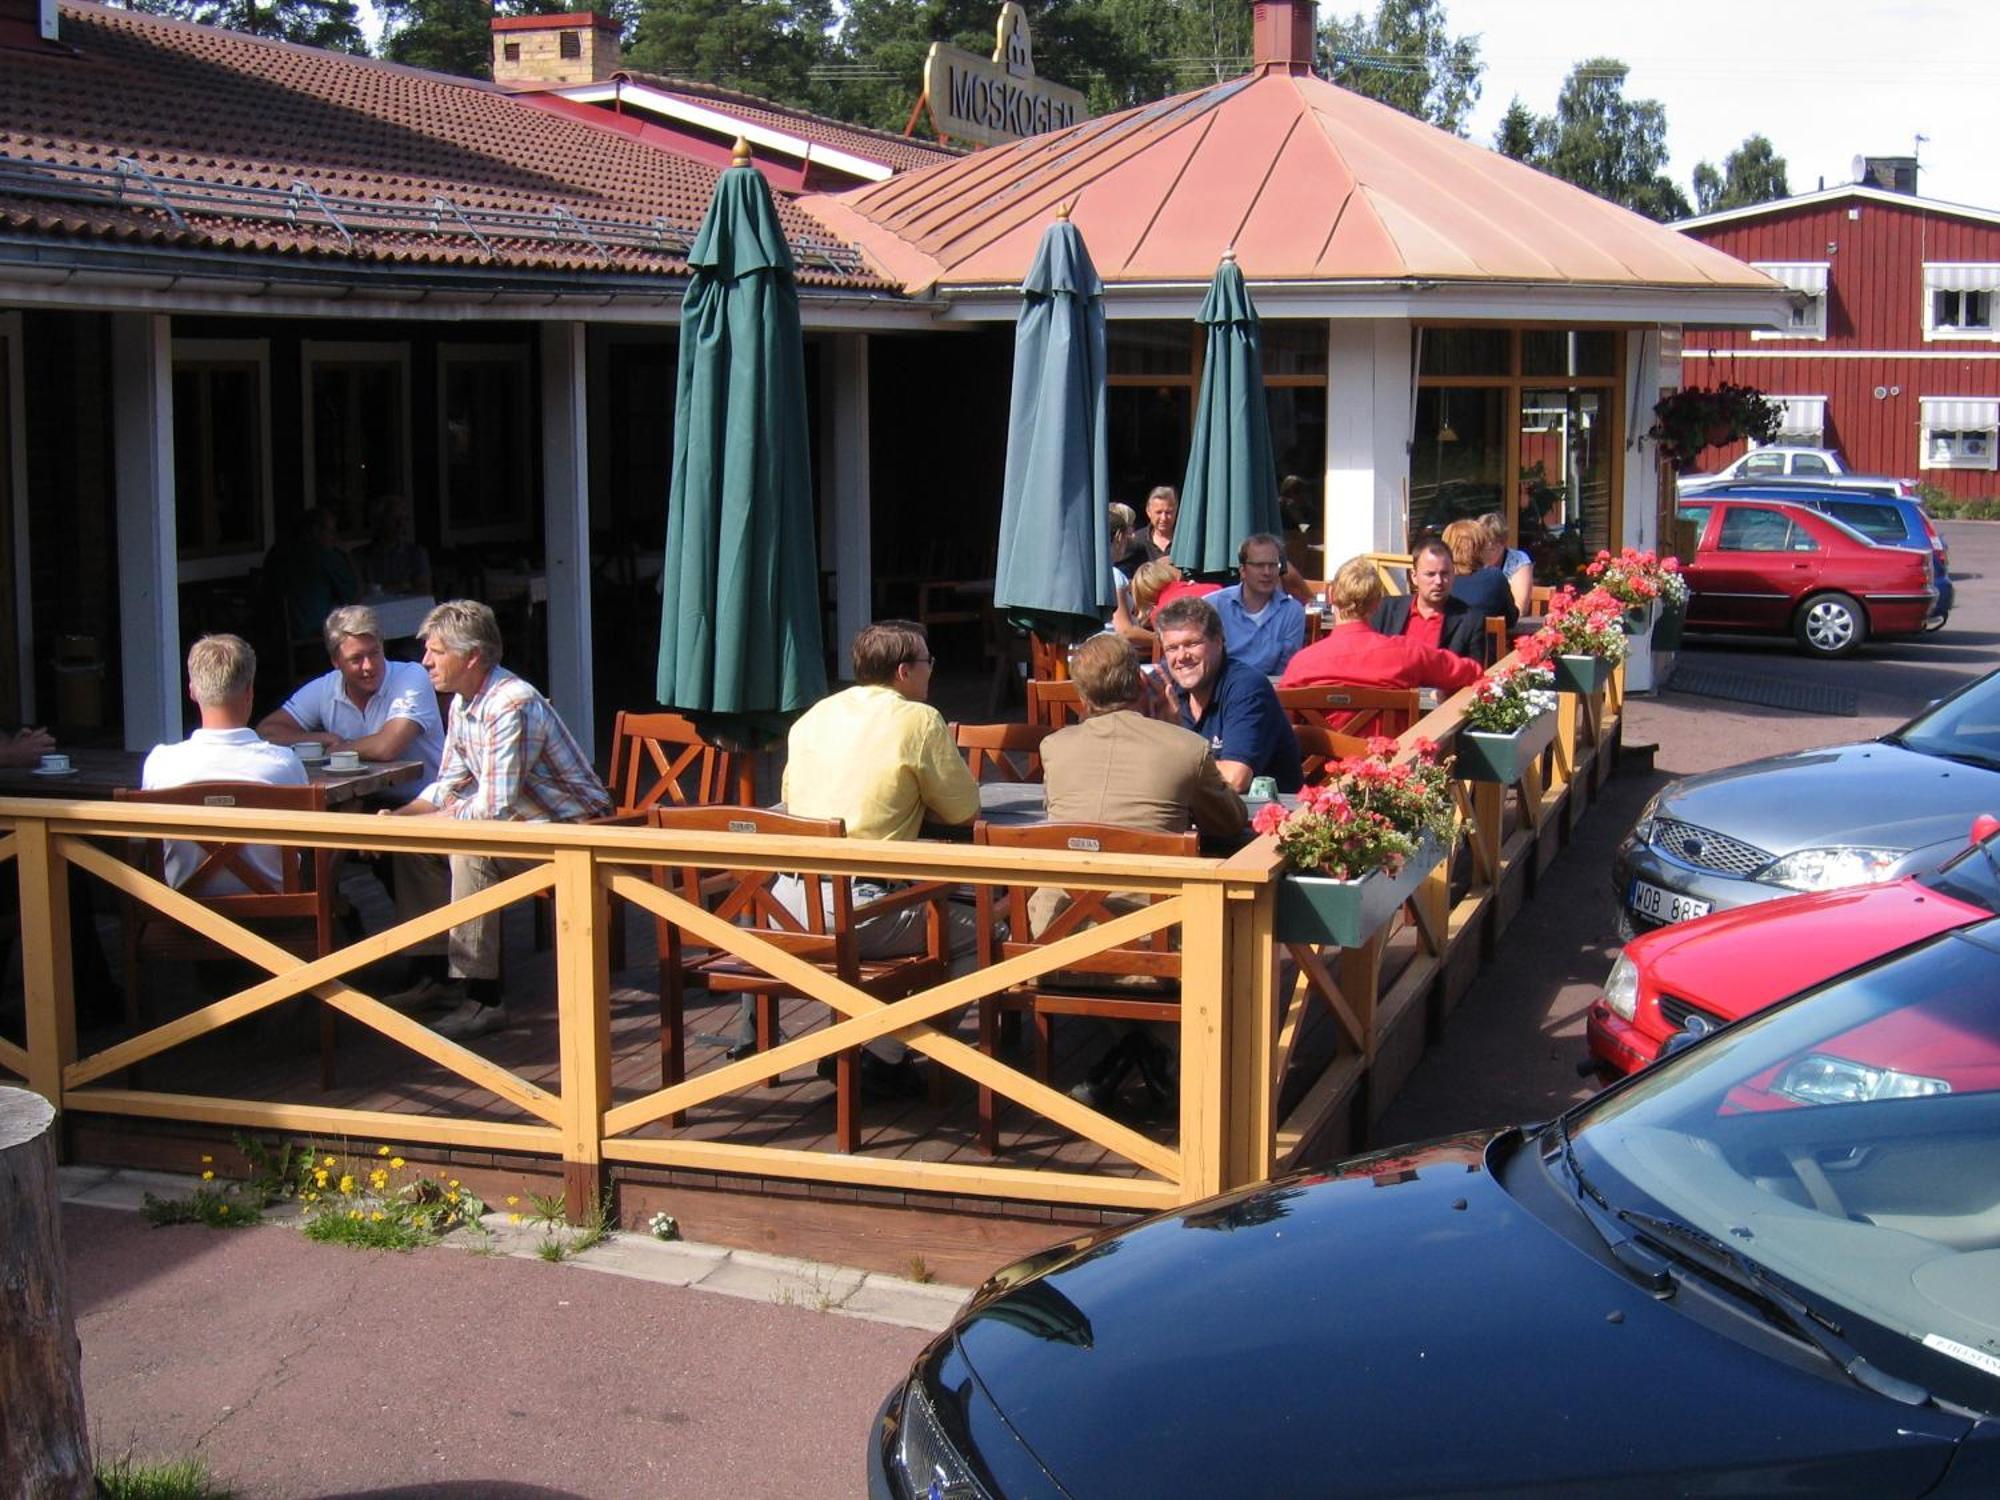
<point x="1737" y="961"/>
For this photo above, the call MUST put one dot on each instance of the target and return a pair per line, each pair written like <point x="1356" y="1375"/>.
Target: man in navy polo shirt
<point x="1262" y="625"/>
<point x="1227" y="703"/>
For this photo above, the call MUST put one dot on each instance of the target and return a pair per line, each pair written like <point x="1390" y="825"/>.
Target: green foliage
<point x="767" y="47"/>
<point x="1753" y="173"/>
<point x="1689" y="420"/>
<point x="1946" y="507"/>
<point x="334" y="25"/>
<point x="452" y="36"/>
<point x="1600" y="140"/>
<point x="124" y="1478"/>
<point x="1404" y="56"/>
<point x="381" y="1204"/>
<point x="218" y="1208"/>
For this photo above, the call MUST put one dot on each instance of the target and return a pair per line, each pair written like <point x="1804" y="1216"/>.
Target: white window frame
<point x="1800" y="436"/>
<point x="1810" y="277"/>
<point x="1961" y="439"/>
<point x="1962" y="279"/>
<point x="257" y="352"/>
<point x="315" y="353"/>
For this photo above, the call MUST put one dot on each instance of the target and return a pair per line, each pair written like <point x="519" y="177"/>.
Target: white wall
<point x="1367" y="436"/>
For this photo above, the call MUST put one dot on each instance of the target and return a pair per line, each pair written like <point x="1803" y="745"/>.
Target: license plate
<point x="1651" y="902"/>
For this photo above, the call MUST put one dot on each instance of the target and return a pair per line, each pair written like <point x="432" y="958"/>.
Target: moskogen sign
<point x="993" y="101"/>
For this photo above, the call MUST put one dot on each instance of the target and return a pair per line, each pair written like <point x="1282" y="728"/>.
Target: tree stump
<point x="44" y="1445"/>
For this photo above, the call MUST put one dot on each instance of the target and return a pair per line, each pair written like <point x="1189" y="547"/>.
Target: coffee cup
<point x="308" y="749"/>
<point x="1263" y="789"/>
<point x="345" y="760"/>
<point x="55" y="764"/>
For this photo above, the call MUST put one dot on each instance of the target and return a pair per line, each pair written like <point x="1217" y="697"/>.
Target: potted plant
<point x="1687" y="421"/>
<point x="1510" y="720"/>
<point x="1585" y="634"/>
<point x="1651" y="588"/>
<point x="1360" y="842"/>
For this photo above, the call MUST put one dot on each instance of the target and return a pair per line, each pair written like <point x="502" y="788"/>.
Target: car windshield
<point x="1846" y="1143"/>
<point x="1966" y="726"/>
<point x="1972" y="876"/>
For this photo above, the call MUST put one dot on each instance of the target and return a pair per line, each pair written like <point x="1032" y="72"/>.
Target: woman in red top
<point x="1356" y="654"/>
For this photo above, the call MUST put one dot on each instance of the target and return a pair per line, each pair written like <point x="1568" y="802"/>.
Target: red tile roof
<point x="1307" y="181"/>
<point x="184" y="136"/>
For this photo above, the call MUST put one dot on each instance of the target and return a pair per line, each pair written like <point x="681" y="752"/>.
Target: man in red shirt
<point x="1355" y="654"/>
<point x="1428" y="614"/>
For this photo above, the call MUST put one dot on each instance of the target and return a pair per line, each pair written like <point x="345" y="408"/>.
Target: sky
<point x="1826" y="81"/>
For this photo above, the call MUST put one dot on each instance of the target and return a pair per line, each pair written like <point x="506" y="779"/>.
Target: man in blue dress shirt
<point x="1262" y="625"/>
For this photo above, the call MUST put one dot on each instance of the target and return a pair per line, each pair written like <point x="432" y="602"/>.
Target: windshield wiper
<point x="1699" y="1248"/>
<point x="1640" y="1262"/>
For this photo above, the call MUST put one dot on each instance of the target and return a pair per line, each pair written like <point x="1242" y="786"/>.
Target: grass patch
<point x="218" y="1208"/>
<point x="379" y="1203"/>
<point x="919" y="1270"/>
<point x="124" y="1478"/>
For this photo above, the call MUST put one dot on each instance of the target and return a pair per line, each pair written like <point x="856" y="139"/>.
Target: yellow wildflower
<point x="396" y="1162"/>
<point x="354" y="1213"/>
<point x="208" y="1176"/>
<point x="381" y="1150"/>
<point x="512" y="1200"/>
<point x="328" y="1162"/>
<point x="513" y="1218"/>
<point x="453" y="1182"/>
<point x="206" y="1160"/>
<point x="319" y="1177"/>
<point x="376" y="1217"/>
<point x="224" y="1210"/>
<point x="346" y="1182"/>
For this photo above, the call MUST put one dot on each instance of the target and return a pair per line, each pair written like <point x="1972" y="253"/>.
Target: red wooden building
<point x="1893" y="355"/>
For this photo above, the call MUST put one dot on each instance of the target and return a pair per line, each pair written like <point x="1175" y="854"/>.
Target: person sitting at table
<point x="382" y="710"/>
<point x="1122" y="766"/>
<point x="1128" y="551"/>
<point x="1163" y="508"/>
<point x="310" y="573"/>
<point x="1515" y="565"/>
<point x="880" y="758"/>
<point x="1482" y="588"/>
<point x="1231" y="706"/>
<point x="1428" y="614"/>
<point x="391" y="561"/>
<point x="1150" y="586"/>
<point x="1124" y="526"/>
<point x="1261" y="624"/>
<point x="1355" y="654"/>
<point x="222" y="675"/>
<point x="507" y="755"/>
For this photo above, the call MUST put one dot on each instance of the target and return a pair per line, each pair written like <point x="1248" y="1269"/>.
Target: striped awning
<point x="1954" y="414"/>
<point x="1801" y="276"/>
<point x="1962" y="277"/>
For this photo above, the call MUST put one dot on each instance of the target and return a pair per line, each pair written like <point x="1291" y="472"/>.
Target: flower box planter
<point x="1639" y="617"/>
<point x="1667" y="628"/>
<point x="1321" y="910"/>
<point x="1504" y="758"/>
<point x="1581" y="674"/>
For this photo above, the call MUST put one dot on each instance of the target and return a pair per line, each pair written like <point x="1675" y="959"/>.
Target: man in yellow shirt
<point x="880" y="758"/>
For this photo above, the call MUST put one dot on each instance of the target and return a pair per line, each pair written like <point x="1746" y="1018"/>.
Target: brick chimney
<point x="569" y="47"/>
<point x="1282" y="35"/>
<point x="1894" y="174"/>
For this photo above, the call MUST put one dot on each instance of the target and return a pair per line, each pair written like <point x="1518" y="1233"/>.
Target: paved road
<point x="1511" y="1050"/>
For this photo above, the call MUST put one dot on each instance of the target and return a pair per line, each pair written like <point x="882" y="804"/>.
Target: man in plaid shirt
<point x="506" y="755"/>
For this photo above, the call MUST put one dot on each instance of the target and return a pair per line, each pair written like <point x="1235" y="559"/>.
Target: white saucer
<point x="327" y="769"/>
<point x="66" y="771"/>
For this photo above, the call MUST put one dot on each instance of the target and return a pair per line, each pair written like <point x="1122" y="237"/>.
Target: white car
<point x="1769" y="463"/>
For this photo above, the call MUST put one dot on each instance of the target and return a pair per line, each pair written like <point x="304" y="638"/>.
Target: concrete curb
<point x="839" y="1290"/>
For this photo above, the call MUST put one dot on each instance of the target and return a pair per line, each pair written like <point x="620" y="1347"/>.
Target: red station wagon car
<point x="1770" y="567"/>
<point x="1703" y="974"/>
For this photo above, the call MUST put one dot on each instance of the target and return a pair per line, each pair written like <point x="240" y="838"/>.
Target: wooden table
<point x="1015" y="803"/>
<point x="98" y="774"/>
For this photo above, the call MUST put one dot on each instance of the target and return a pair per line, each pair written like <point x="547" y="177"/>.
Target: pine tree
<point x="767" y="47"/>
<point x="1404" y="57"/>
<point x="334" y="25"/>
<point x="452" y="36"/>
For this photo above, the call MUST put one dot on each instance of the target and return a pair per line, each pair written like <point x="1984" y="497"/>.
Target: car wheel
<point x="1830" y="625"/>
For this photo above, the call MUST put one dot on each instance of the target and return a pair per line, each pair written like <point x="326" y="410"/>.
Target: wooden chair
<point x="824" y="936"/>
<point x="296" y="911"/>
<point x="660" y="759"/>
<point x="1136" y="982"/>
<point x="1320" y="748"/>
<point x="1046" y="660"/>
<point x="1013" y="751"/>
<point x="1499" y="638"/>
<point x="1052" y="704"/>
<point x="1359" y="711"/>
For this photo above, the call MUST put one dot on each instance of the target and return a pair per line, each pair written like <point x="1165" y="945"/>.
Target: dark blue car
<point x="1891" y="519"/>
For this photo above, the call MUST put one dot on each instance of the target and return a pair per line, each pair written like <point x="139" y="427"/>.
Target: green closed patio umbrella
<point x="1053" y="574"/>
<point x="1231" y="489"/>
<point x="740" y="649"/>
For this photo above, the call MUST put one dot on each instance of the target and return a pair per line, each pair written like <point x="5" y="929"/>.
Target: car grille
<point x="1675" y="1012"/>
<point x="1706" y="849"/>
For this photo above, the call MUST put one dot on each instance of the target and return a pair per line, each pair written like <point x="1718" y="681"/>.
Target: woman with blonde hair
<point x="1515" y="565"/>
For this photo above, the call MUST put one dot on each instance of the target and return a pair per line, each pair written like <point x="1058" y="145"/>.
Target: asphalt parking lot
<point x="1510" y="1051"/>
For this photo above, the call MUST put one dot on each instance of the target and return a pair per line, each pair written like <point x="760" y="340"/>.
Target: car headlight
<point x="1621" y="987"/>
<point x="1831" y="869"/>
<point x="1642" y="831"/>
<point x="931" y="1464"/>
<point x="1820" y="1079"/>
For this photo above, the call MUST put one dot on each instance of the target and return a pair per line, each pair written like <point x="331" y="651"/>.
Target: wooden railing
<point x="1250" y="1104"/>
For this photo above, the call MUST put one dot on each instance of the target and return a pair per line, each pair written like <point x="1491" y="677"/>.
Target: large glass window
<point x="486" y="452"/>
<point x="1458" y="462"/>
<point x="222" y="464"/>
<point x="356" y="428"/>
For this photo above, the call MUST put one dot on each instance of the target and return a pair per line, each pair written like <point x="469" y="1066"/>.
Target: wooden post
<point x="583" y="1021"/>
<point x="45" y="970"/>
<point x="44" y="1441"/>
<point x="1204" y="1044"/>
<point x="1252" y="1001"/>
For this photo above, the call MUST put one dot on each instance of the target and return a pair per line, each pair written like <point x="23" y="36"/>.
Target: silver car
<point x="1814" y="820"/>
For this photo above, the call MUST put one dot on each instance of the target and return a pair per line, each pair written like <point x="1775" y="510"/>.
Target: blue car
<point x="1890" y="519"/>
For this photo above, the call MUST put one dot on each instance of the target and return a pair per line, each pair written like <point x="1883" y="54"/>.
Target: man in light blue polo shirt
<point x="1262" y="625"/>
<point x="384" y="710"/>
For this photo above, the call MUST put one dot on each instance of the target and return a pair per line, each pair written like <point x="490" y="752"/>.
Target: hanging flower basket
<point x="1320" y="910"/>
<point x="1582" y="674"/>
<point x="1505" y="758"/>
<point x="1686" y="422"/>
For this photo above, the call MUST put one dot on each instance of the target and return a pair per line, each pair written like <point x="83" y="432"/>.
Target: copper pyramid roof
<point x="1308" y="182"/>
